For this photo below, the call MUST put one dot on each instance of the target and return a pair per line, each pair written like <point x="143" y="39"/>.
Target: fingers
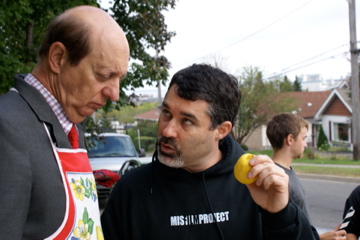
<point x="268" y="173"/>
<point x="334" y="235"/>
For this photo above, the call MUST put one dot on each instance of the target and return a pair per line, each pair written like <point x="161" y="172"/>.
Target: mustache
<point x="168" y="141"/>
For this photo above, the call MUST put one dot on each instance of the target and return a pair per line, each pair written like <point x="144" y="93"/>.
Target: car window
<point x="111" y="146"/>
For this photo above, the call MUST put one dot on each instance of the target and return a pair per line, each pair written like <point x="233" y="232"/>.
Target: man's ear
<point x="57" y="56"/>
<point x="223" y="129"/>
<point x="289" y="139"/>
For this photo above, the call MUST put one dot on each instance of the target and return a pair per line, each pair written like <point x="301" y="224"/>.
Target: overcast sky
<point x="278" y="36"/>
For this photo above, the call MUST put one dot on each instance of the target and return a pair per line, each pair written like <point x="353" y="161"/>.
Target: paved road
<point x="326" y="199"/>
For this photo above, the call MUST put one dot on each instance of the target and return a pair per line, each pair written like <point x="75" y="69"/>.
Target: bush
<point x="309" y="154"/>
<point x="324" y="147"/>
<point x="322" y="143"/>
<point x="244" y="147"/>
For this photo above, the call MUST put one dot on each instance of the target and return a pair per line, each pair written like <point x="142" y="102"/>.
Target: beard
<point x="174" y="160"/>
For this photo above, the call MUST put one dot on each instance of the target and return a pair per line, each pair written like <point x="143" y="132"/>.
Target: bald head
<point x="77" y="28"/>
<point x="95" y="17"/>
<point x="83" y="57"/>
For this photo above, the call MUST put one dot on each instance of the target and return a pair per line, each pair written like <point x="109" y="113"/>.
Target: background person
<point x="189" y="190"/>
<point x="83" y="56"/>
<point x="287" y="134"/>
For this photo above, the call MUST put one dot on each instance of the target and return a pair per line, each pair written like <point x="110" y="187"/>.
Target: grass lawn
<point x="343" y="172"/>
<point x="311" y="169"/>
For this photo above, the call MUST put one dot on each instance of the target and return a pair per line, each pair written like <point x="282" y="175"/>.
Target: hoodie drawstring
<point x="211" y="209"/>
<point x="153" y="170"/>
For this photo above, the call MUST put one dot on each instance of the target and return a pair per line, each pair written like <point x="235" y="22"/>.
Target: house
<point x="335" y="116"/>
<point x="309" y="105"/>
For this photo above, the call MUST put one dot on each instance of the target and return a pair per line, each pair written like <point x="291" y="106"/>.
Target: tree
<point x="127" y="113"/>
<point x="322" y="143"/>
<point x="148" y="134"/>
<point x="216" y="60"/>
<point x="259" y="102"/>
<point x="145" y="28"/>
<point x="286" y="85"/>
<point x="297" y="85"/>
<point x="23" y="23"/>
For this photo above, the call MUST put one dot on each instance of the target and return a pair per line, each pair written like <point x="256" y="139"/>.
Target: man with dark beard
<point x="287" y="134"/>
<point x="189" y="190"/>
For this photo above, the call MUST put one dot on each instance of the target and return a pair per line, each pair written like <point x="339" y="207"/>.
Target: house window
<point x="341" y="132"/>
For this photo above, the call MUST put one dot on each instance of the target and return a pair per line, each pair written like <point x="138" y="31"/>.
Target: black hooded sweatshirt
<point x="156" y="202"/>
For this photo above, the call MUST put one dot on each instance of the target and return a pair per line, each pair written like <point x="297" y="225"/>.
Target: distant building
<point x="314" y="82"/>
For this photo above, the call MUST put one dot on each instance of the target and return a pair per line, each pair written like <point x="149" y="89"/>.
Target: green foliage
<point x="308" y="153"/>
<point x="145" y="28"/>
<point x="23" y="23"/>
<point x="259" y="101"/>
<point x="286" y="85"/>
<point x="322" y="142"/>
<point x="127" y="113"/>
<point x="244" y="147"/>
<point x="105" y="123"/>
<point x="297" y="85"/>
<point x="148" y="134"/>
<point x="346" y="172"/>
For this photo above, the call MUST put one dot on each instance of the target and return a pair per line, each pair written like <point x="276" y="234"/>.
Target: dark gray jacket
<point x="32" y="202"/>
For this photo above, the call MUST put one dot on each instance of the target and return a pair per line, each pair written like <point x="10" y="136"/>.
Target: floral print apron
<point x="82" y="216"/>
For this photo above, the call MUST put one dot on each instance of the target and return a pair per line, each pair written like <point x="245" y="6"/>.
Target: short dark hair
<point x="219" y="89"/>
<point x="283" y="124"/>
<point x="70" y="31"/>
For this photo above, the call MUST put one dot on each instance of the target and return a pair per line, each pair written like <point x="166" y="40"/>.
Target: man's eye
<point x="103" y="77"/>
<point x="188" y="122"/>
<point x="165" y="113"/>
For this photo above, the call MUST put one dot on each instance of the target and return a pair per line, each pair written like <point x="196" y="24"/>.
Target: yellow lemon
<point x="242" y="167"/>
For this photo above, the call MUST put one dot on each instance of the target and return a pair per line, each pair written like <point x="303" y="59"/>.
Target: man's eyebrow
<point x="164" y="104"/>
<point x="109" y="70"/>
<point x="186" y="114"/>
<point x="189" y="115"/>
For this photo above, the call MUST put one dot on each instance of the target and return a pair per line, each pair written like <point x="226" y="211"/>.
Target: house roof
<point x="152" y="115"/>
<point x="342" y="94"/>
<point x="309" y="102"/>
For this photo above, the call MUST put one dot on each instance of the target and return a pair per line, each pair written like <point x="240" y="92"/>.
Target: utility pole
<point x="354" y="82"/>
<point x="159" y="85"/>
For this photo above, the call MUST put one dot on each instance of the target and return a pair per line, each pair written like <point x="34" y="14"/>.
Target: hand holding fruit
<point x="268" y="184"/>
<point x="242" y="168"/>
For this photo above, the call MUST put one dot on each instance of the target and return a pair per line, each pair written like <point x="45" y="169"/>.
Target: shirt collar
<point x="51" y="100"/>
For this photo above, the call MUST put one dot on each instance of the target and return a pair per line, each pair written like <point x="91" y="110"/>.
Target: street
<point x="326" y="199"/>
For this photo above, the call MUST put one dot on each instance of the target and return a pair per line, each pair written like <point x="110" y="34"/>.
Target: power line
<point x="343" y="45"/>
<point x="306" y="65"/>
<point x="262" y="29"/>
<point x="256" y="32"/>
<point x="291" y="68"/>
